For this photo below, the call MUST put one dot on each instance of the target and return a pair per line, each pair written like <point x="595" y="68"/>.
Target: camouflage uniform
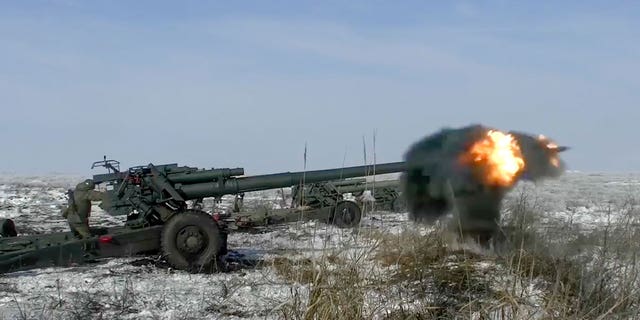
<point x="79" y="208"/>
<point x="238" y="202"/>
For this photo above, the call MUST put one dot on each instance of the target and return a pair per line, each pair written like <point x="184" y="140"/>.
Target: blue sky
<point x="249" y="83"/>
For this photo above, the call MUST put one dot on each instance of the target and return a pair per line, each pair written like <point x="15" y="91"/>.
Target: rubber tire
<point x="207" y="260"/>
<point x="398" y="205"/>
<point x="338" y="219"/>
<point x="8" y="228"/>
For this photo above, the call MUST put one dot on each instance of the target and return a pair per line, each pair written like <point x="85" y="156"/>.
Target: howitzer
<point x="385" y="193"/>
<point x="157" y="196"/>
<point x="344" y="214"/>
<point x="156" y="200"/>
<point x="324" y="202"/>
<point x="151" y="195"/>
<point x="327" y="194"/>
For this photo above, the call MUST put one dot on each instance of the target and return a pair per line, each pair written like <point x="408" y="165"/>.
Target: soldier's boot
<point x="89" y="246"/>
<point x="80" y="230"/>
<point x="90" y="251"/>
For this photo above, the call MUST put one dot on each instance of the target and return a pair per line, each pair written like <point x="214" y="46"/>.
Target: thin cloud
<point x="256" y="88"/>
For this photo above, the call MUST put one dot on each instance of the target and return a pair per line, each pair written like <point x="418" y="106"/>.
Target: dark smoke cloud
<point x="436" y="182"/>
<point x="537" y="157"/>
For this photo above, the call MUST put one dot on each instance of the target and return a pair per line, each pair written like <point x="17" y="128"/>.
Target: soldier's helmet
<point x="86" y="185"/>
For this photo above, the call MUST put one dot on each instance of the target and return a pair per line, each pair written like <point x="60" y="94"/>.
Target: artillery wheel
<point x="346" y="214"/>
<point x="8" y="228"/>
<point x="398" y="205"/>
<point x="192" y="241"/>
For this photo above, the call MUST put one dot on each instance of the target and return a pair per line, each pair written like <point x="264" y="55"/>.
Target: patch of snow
<point x="126" y="289"/>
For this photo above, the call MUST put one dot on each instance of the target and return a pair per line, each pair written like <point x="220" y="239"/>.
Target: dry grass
<point x="536" y="270"/>
<point x="300" y="270"/>
<point x="588" y="274"/>
<point x="336" y="288"/>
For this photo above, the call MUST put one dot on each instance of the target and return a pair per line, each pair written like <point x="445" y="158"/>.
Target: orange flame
<point x="499" y="158"/>
<point x="552" y="147"/>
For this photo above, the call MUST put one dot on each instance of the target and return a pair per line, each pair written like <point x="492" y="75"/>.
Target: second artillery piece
<point x="162" y="205"/>
<point x="322" y="201"/>
<point x="385" y="193"/>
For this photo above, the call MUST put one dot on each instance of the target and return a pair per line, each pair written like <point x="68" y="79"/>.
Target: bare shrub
<point x="336" y="290"/>
<point x="588" y="274"/>
<point x="445" y="279"/>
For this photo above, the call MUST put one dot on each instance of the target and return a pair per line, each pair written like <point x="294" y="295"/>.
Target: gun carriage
<point x="162" y="205"/>
<point x="385" y="194"/>
<point x="324" y="201"/>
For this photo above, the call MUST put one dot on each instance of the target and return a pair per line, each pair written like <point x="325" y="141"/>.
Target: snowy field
<point x="267" y="277"/>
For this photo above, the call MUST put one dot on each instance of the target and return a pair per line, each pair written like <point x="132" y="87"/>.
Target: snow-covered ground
<point x="140" y="288"/>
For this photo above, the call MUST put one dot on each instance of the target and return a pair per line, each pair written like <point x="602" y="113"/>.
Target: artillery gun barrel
<point x="176" y="174"/>
<point x="369" y="186"/>
<point x="199" y="176"/>
<point x="282" y="180"/>
<point x="349" y="182"/>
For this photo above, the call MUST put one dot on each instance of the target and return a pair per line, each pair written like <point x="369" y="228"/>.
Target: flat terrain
<point x="581" y="224"/>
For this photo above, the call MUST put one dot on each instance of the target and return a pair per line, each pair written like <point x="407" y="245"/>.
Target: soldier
<point x="78" y="210"/>
<point x="238" y="202"/>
